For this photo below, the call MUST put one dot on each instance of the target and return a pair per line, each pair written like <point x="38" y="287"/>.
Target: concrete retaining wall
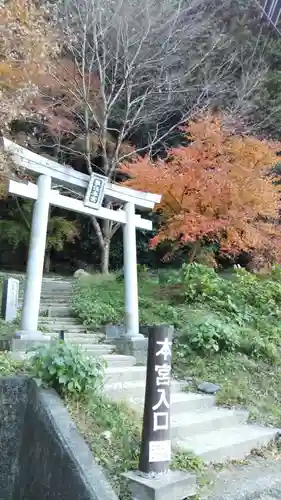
<point x="46" y="457"/>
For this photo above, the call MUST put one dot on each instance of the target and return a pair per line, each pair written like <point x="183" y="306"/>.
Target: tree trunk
<point x="47" y="263"/>
<point x="194" y="251"/>
<point x="104" y="233"/>
<point x="105" y="258"/>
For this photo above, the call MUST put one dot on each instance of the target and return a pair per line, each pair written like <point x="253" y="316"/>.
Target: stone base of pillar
<point x="176" y="485"/>
<point x="133" y="346"/>
<point x="28" y="335"/>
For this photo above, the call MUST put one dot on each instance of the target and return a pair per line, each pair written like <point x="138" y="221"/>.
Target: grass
<point x="99" y="300"/>
<point x="231" y="330"/>
<point x="9" y="367"/>
<point x="245" y="383"/>
<point x="113" y="433"/>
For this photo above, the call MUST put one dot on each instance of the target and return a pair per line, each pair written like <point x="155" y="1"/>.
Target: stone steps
<point x="55" y="311"/>
<point x="127" y="374"/>
<point x="62" y="302"/>
<point x="180" y="401"/>
<point x="230" y="443"/>
<point x="54" y="321"/>
<point x="79" y="338"/>
<point x="53" y="295"/>
<point x="120" y="391"/>
<point x="96" y="350"/>
<point x="202" y="422"/>
<point x="114" y="360"/>
<point x="70" y="330"/>
<point x="197" y="425"/>
<point x="57" y="299"/>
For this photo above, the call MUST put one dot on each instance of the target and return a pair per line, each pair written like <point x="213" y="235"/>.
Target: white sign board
<point x="95" y="191"/>
<point x="159" y="451"/>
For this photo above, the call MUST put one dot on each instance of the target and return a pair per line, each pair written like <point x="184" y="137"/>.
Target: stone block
<point x="113" y="331"/>
<point x="208" y="388"/>
<point x="133" y="346"/>
<point x="23" y="344"/>
<point x="175" y="485"/>
<point x="10" y="299"/>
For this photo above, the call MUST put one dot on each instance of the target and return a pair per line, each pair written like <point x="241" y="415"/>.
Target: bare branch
<point x="158" y="64"/>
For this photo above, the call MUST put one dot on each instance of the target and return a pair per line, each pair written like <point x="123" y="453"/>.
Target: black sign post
<point x="155" y="453"/>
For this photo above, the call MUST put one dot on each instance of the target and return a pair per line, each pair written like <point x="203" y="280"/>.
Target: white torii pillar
<point x="35" y="263"/>
<point x="130" y="273"/>
<point x="44" y="196"/>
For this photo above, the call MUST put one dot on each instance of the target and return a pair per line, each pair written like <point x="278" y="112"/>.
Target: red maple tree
<point x="218" y="187"/>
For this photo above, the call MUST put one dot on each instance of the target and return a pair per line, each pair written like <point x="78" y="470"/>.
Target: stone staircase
<point x="56" y="315"/>
<point x="215" y="434"/>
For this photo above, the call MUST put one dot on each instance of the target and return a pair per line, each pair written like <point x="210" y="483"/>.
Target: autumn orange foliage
<point x="218" y="187"/>
<point x="27" y="42"/>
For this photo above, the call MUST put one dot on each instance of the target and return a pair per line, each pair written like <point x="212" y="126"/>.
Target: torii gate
<point x="94" y="188"/>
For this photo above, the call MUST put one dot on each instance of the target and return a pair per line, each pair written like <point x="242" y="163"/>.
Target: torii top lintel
<point x="73" y="179"/>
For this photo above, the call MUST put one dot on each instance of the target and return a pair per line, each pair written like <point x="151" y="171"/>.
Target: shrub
<point x="65" y="367"/>
<point x="245" y="296"/>
<point x="255" y="345"/>
<point x="9" y="366"/>
<point x="201" y="283"/>
<point x="171" y="276"/>
<point x="214" y="314"/>
<point x="97" y="302"/>
<point x="208" y="333"/>
<point x="244" y="313"/>
<point x="276" y="273"/>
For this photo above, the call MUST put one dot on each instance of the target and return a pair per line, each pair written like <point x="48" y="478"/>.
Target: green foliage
<point x="142" y="269"/>
<point x="208" y="333"/>
<point x="65" y="367"/>
<point x="113" y="433"/>
<point x="244" y="297"/>
<point x="15" y="228"/>
<point x="242" y="314"/>
<point x="8" y="366"/>
<point x="213" y="314"/>
<point x="200" y="283"/>
<point x="187" y="461"/>
<point x="276" y="273"/>
<point x="268" y="99"/>
<point x="60" y="231"/>
<point x="98" y="300"/>
<point x="7" y="329"/>
<point x="13" y="232"/>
